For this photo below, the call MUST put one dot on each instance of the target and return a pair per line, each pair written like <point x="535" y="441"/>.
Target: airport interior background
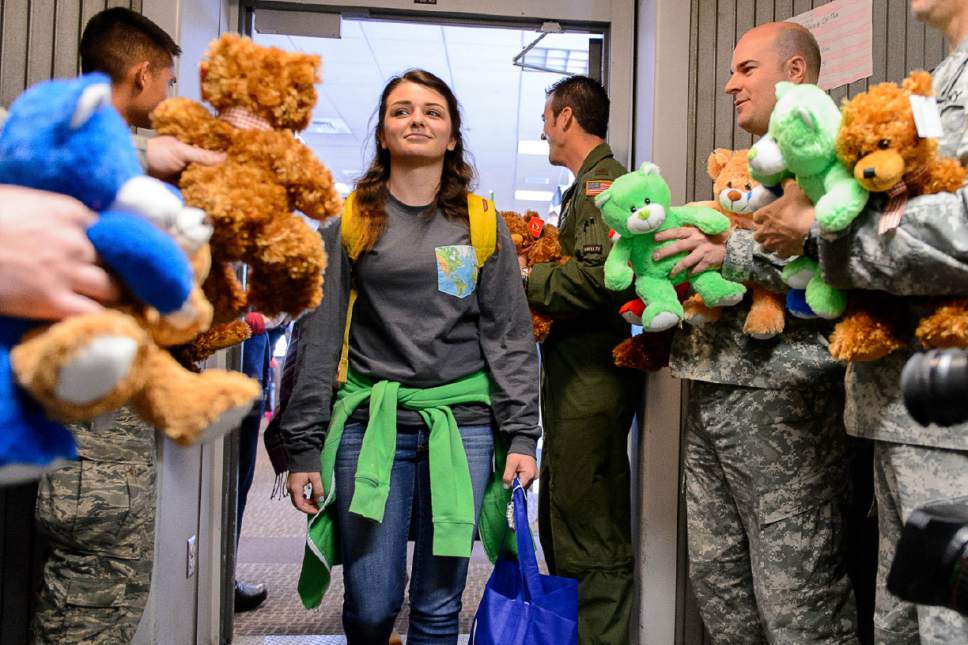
<point x="664" y="63"/>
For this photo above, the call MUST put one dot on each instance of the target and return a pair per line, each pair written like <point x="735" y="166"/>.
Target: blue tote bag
<point x="520" y="606"/>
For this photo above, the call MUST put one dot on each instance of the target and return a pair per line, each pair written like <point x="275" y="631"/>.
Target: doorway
<point x="501" y="89"/>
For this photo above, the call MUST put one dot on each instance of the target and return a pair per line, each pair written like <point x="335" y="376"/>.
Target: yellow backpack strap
<point x="483" y="232"/>
<point x="350" y="234"/>
<point x="483" y="220"/>
<point x="351" y="228"/>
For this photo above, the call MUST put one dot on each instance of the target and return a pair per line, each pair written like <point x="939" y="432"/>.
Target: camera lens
<point x="931" y="565"/>
<point x="935" y="387"/>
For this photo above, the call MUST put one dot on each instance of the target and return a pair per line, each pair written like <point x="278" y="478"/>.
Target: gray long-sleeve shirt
<point x="423" y="317"/>
<point x="926" y="255"/>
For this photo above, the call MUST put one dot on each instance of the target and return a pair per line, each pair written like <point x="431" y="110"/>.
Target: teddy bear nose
<point x="870" y="173"/>
<point x="733" y="195"/>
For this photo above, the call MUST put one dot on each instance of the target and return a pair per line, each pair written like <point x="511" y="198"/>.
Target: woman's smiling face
<point x="417" y="123"/>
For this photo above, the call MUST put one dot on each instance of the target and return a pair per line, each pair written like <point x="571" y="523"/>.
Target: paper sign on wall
<point x="844" y="30"/>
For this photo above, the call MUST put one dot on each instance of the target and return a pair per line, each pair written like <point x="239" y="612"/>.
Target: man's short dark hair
<point x="587" y="99"/>
<point x="117" y="38"/>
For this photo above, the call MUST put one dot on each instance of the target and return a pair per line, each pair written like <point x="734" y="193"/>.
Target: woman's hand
<point x="296" y="485"/>
<point x="522" y="466"/>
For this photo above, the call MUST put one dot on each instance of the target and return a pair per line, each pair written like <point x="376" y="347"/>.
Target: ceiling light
<point x="533" y="195"/>
<point x="533" y="147"/>
<point x="328" y="125"/>
<point x="539" y="181"/>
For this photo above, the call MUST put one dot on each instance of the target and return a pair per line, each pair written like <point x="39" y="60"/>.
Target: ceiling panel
<point x="500" y="103"/>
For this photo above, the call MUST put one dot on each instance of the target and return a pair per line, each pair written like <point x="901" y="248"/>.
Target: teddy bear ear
<point x="602" y="197"/>
<point x="919" y="82"/>
<point x="649" y="168"/>
<point x="807" y="117"/>
<point x="717" y="160"/>
<point x="93" y="97"/>
<point x="782" y="88"/>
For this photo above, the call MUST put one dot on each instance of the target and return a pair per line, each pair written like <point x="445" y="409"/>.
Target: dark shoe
<point x="248" y="597"/>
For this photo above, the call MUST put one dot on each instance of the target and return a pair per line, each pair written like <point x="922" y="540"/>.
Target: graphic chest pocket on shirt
<point x="456" y="269"/>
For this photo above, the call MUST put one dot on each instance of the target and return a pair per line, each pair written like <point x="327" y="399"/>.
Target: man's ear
<point x="796" y="70"/>
<point x="140" y="75"/>
<point x="567" y="116"/>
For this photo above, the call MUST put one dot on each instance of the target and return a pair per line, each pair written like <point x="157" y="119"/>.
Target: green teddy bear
<point x="802" y="142"/>
<point x="636" y="206"/>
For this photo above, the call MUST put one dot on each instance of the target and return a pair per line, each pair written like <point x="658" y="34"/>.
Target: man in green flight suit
<point x="587" y="403"/>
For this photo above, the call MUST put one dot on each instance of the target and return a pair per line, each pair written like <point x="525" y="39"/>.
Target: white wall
<point x="661" y="96"/>
<point x="182" y="609"/>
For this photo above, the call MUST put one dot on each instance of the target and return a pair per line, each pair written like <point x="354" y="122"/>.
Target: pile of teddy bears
<point x="838" y="158"/>
<point x="174" y="258"/>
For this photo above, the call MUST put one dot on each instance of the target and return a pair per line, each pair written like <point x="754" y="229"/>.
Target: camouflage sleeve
<point x="141" y="148"/>
<point x="315" y="358"/>
<point x="577" y="285"/>
<point x="745" y="261"/>
<point x="926" y="255"/>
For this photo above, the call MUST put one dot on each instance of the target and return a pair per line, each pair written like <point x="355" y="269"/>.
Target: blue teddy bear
<point x="64" y="136"/>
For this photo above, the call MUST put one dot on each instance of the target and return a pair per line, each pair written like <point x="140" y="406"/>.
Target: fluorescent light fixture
<point x="533" y="195"/>
<point x="328" y="125"/>
<point x="533" y="147"/>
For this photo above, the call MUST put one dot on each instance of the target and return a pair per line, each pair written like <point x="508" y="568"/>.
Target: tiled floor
<point x="270" y="552"/>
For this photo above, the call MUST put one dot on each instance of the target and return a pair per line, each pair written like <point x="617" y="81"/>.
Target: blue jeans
<point x="375" y="554"/>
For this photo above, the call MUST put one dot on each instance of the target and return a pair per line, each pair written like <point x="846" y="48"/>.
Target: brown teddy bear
<point x="187" y="407"/>
<point x="530" y="233"/>
<point x="879" y="140"/>
<point x="737" y="197"/>
<point x="262" y="96"/>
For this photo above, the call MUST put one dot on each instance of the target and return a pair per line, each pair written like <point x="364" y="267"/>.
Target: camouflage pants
<point x="99" y="513"/>
<point x="906" y="477"/>
<point x="765" y="473"/>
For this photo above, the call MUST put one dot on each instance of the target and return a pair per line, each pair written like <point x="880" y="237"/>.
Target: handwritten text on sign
<point x="844" y="31"/>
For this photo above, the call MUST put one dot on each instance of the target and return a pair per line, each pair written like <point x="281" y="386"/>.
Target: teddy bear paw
<point x="699" y="320"/>
<point x="731" y="299"/>
<point x="228" y="420"/>
<point x="798" y="279"/>
<point x="184" y="317"/>
<point x="192" y="229"/>
<point x="96" y="369"/>
<point x="662" y="321"/>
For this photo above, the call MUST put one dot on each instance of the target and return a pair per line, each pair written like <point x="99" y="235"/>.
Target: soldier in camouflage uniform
<point x="99" y="512"/>
<point x="587" y="403"/>
<point x="926" y="255"/>
<point x="765" y="464"/>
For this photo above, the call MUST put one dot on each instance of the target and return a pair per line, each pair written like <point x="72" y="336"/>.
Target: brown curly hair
<point x="455" y="181"/>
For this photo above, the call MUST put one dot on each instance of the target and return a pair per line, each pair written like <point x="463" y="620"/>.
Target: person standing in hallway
<point x="584" y="501"/>
<point x="436" y="339"/>
<point x="99" y="511"/>
<point x="765" y="463"/>
<point x="913" y="465"/>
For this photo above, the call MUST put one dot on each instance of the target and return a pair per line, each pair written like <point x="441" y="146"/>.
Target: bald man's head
<point x="764" y="56"/>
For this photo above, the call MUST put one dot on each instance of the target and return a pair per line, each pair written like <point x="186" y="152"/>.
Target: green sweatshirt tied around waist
<point x="452" y="495"/>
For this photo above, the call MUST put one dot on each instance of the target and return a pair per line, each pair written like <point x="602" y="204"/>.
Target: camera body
<point x="935" y="387"/>
<point x="931" y="563"/>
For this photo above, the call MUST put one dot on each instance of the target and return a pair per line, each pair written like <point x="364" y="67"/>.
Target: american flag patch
<point x="596" y="186"/>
